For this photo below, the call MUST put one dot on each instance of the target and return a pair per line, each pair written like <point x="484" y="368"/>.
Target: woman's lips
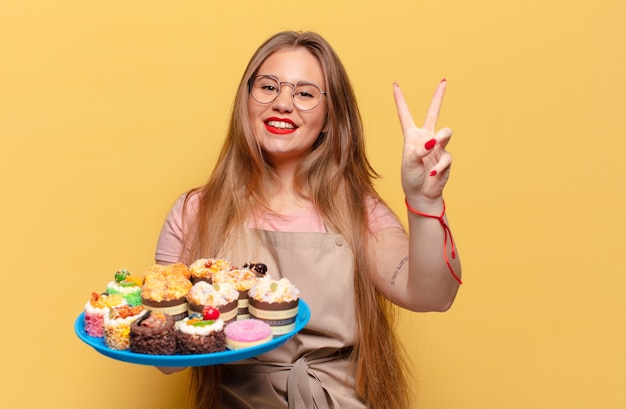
<point x="280" y="126"/>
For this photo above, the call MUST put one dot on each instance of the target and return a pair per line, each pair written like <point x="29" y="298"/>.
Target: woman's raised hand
<point x="425" y="161"/>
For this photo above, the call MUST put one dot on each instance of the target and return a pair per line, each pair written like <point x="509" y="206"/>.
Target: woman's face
<point x="284" y="132"/>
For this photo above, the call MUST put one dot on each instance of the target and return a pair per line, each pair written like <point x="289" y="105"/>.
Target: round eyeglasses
<point x="266" y="88"/>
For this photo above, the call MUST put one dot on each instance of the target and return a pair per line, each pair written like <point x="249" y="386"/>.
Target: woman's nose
<point x="284" y="101"/>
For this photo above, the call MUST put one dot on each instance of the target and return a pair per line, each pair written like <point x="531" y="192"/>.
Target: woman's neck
<point x="284" y="198"/>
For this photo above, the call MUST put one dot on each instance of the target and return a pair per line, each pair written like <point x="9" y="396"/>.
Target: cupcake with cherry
<point x="201" y="333"/>
<point x="222" y="296"/>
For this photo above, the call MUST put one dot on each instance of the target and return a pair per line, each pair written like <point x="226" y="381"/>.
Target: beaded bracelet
<point x="446" y="232"/>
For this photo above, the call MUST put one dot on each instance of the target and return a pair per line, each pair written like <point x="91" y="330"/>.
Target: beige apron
<point x="313" y="369"/>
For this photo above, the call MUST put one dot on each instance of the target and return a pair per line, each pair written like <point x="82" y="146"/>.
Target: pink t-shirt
<point x="307" y="219"/>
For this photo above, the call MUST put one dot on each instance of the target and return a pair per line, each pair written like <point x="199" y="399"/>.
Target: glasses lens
<point x="306" y="96"/>
<point x="264" y="89"/>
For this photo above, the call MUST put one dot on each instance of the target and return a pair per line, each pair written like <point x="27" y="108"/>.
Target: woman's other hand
<point x="425" y="161"/>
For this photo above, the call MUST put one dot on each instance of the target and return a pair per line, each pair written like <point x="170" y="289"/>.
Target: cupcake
<point x="127" y="285"/>
<point x="247" y="333"/>
<point x="97" y="308"/>
<point x="243" y="279"/>
<point x="259" y="268"/>
<point x="153" y="334"/>
<point x="117" y="325"/>
<point x="276" y="303"/>
<point x="201" y="333"/>
<point x="203" y="269"/>
<point x="222" y="296"/>
<point x="165" y="289"/>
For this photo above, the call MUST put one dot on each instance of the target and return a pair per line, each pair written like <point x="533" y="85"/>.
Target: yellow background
<point x="110" y="109"/>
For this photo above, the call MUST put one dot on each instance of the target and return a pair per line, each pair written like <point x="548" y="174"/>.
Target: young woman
<point x="292" y="188"/>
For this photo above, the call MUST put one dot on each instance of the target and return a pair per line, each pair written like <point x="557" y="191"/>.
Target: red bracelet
<point x="446" y="232"/>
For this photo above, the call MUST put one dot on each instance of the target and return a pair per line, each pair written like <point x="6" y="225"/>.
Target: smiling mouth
<point x="280" y="125"/>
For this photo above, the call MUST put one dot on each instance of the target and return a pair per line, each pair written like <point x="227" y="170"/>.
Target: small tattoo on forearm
<point x="395" y="273"/>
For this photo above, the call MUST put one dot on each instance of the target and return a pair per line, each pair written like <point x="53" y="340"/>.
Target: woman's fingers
<point x="435" y="106"/>
<point x="445" y="160"/>
<point x="406" y="120"/>
<point x="404" y="114"/>
<point x="443" y="137"/>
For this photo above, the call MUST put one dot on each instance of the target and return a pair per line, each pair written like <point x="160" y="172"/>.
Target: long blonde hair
<point x="337" y="177"/>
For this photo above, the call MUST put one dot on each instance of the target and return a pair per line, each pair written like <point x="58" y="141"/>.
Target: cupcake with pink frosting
<point x="97" y="308"/>
<point x="247" y="333"/>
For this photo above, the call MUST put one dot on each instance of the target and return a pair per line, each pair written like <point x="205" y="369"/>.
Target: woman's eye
<point x="303" y="95"/>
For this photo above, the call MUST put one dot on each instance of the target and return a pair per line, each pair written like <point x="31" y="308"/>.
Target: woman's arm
<point x="420" y="272"/>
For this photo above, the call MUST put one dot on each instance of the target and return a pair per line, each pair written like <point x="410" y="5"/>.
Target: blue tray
<point x="214" y="358"/>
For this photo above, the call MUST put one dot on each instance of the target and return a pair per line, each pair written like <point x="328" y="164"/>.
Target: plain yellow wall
<point x="110" y="109"/>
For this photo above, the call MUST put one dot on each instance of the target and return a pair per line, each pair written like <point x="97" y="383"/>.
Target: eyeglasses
<point x="266" y="88"/>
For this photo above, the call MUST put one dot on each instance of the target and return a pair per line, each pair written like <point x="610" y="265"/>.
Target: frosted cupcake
<point x="222" y="296"/>
<point x="247" y="333"/>
<point x="165" y="290"/>
<point x="126" y="285"/>
<point x="201" y="333"/>
<point x="96" y="309"/>
<point x="203" y="269"/>
<point x="117" y="326"/>
<point x="276" y="303"/>
<point x="242" y="279"/>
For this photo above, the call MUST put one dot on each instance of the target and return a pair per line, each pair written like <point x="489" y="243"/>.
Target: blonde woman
<point x="293" y="188"/>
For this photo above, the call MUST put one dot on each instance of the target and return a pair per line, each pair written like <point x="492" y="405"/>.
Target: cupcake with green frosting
<point x="126" y="285"/>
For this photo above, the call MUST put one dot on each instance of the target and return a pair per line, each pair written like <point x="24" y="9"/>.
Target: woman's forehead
<point x="293" y="65"/>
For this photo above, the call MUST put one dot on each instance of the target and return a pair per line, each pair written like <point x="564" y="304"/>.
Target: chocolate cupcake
<point x="153" y="334"/>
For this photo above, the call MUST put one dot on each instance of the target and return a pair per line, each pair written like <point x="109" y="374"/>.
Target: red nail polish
<point x="430" y="144"/>
<point x="433" y="172"/>
<point x="444" y="80"/>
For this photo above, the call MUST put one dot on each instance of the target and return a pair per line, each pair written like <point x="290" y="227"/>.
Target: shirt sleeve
<point x="380" y="217"/>
<point x="170" y="243"/>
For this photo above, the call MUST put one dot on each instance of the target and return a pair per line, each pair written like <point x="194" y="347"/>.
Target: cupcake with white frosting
<point x="276" y="303"/>
<point x="222" y="296"/>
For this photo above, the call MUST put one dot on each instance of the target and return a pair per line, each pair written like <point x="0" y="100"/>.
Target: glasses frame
<point x="293" y="90"/>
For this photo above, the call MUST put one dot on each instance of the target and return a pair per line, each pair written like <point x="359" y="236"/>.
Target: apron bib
<point x="312" y="370"/>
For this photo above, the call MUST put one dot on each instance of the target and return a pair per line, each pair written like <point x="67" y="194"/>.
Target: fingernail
<point x="433" y="172"/>
<point x="444" y="80"/>
<point x="430" y="144"/>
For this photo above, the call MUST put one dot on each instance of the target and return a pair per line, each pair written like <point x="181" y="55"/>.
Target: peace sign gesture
<point x="425" y="162"/>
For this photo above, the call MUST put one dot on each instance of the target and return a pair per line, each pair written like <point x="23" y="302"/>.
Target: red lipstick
<point x="280" y="126"/>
